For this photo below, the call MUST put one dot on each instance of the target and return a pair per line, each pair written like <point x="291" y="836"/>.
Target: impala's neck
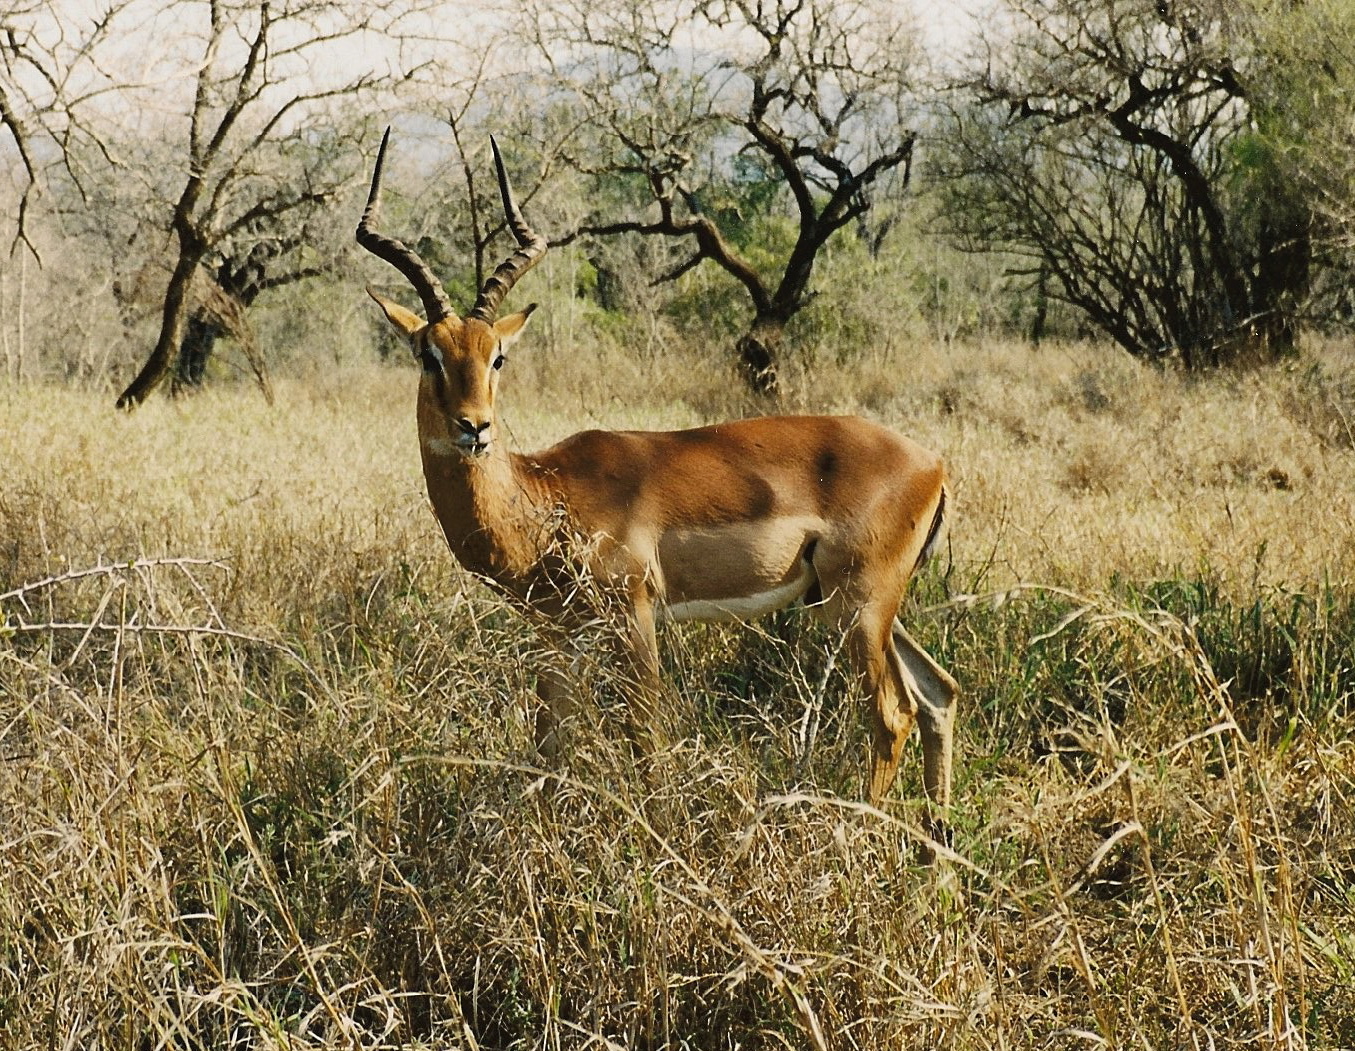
<point x="495" y="513"/>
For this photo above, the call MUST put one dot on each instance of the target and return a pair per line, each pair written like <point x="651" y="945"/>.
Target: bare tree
<point x="1113" y="144"/>
<point x="20" y="58"/>
<point x="265" y="75"/>
<point x="279" y="248"/>
<point x="46" y="70"/>
<point x="237" y="280"/>
<point x="122" y="218"/>
<point x="685" y="99"/>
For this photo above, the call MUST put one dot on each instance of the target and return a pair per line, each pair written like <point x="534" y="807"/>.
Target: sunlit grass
<point x="316" y="819"/>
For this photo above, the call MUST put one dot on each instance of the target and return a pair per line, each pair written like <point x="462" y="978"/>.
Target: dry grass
<point x="266" y="780"/>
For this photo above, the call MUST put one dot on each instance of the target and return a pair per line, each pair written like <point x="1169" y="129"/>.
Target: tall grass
<point x="266" y="777"/>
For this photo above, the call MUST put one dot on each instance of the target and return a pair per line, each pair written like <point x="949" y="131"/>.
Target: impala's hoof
<point x="939" y="834"/>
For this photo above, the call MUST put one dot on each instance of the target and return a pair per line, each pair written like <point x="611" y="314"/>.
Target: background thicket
<point x="1169" y="176"/>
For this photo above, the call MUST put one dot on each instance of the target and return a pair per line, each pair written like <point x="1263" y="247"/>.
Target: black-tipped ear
<point x="406" y="321"/>
<point x="509" y="328"/>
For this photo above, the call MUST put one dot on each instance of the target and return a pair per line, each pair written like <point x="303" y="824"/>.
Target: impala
<point x="715" y="523"/>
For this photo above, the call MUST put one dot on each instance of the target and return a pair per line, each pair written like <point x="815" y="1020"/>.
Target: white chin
<point x="447" y="447"/>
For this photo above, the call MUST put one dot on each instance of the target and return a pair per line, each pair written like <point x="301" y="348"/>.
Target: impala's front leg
<point x="638" y="666"/>
<point x="555" y="688"/>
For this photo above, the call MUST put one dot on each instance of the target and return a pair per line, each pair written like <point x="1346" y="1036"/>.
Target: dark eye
<point x="429" y="362"/>
<point x="499" y="361"/>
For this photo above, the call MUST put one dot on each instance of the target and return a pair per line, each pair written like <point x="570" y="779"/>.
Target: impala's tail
<point x="934" y="532"/>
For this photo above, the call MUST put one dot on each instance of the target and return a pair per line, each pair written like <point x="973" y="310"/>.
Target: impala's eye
<point x="499" y="361"/>
<point x="429" y="361"/>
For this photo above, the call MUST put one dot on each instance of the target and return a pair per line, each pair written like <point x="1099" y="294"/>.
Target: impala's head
<point x="461" y="357"/>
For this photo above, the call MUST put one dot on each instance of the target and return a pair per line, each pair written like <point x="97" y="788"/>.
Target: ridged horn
<point x="436" y="305"/>
<point x="532" y="246"/>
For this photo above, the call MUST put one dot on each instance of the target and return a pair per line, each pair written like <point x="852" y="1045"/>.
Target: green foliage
<point x="1287" y="656"/>
<point x="1153" y="176"/>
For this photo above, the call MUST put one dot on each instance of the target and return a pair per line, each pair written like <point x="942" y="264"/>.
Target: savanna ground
<point x="266" y="777"/>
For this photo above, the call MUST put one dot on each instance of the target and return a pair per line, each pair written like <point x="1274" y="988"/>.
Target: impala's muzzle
<point x="474" y="438"/>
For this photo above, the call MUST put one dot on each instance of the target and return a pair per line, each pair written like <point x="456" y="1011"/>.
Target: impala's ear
<point x="509" y="328"/>
<point x="406" y="321"/>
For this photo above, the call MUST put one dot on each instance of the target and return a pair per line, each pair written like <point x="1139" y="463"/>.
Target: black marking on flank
<point x="933" y="530"/>
<point x="814" y="595"/>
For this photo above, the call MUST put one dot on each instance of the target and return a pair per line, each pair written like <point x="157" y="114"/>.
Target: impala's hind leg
<point x="936" y="696"/>
<point x="861" y="604"/>
<point x="891" y="709"/>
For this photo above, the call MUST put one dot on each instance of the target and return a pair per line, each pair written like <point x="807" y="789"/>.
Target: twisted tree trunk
<point x="758" y="350"/>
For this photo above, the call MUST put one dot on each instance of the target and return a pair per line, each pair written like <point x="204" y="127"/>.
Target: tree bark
<point x="1037" y="323"/>
<point x="758" y="350"/>
<point x="162" y="357"/>
<point x="1283" y="280"/>
<point x="199" y="341"/>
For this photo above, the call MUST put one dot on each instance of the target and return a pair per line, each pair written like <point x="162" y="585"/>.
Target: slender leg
<point x="902" y="684"/>
<point x="891" y="707"/>
<point x="862" y="600"/>
<point x="555" y="688"/>
<point x="936" y="695"/>
<point x="639" y="667"/>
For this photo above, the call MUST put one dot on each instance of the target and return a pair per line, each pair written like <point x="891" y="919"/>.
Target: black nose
<point x="473" y="429"/>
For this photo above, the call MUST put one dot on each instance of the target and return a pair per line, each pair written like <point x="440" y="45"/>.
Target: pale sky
<point x="948" y="25"/>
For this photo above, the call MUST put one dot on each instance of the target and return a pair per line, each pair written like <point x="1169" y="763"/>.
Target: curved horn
<point x="436" y="305"/>
<point x="532" y="246"/>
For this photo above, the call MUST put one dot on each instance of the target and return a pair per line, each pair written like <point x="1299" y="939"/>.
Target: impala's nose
<point x="474" y="436"/>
